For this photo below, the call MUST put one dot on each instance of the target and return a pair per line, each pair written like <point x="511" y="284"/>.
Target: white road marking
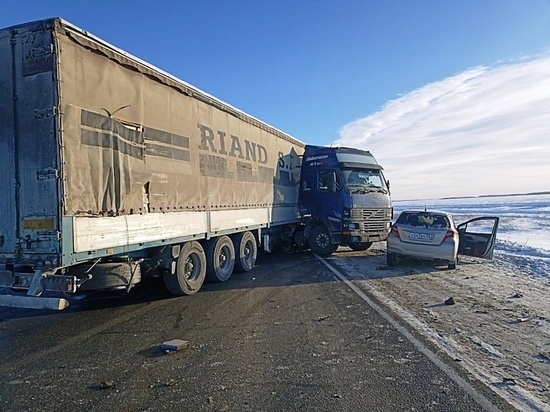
<point x="450" y="372"/>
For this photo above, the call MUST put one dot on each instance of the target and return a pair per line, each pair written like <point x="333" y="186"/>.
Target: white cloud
<point x="483" y="131"/>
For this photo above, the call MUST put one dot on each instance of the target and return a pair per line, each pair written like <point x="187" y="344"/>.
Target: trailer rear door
<point x="29" y="161"/>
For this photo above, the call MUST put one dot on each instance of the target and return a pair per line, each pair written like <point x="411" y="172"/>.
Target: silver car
<point x="434" y="235"/>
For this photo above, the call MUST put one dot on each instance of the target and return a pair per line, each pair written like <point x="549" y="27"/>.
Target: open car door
<point x="477" y="237"/>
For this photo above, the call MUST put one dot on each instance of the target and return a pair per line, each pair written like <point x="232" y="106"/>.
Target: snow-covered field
<point x="498" y="329"/>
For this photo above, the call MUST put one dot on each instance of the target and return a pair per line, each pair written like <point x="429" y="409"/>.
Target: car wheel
<point x="452" y="264"/>
<point x="391" y="259"/>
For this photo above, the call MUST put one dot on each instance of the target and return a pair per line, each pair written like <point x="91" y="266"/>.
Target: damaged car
<point x="434" y="235"/>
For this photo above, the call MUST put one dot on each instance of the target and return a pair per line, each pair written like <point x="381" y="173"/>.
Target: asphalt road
<point x="291" y="335"/>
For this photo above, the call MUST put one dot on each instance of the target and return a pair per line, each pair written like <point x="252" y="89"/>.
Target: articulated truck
<point x="114" y="170"/>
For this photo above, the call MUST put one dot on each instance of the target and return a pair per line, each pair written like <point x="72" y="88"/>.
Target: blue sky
<point x="322" y="70"/>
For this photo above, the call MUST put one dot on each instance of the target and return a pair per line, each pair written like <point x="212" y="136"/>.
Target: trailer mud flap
<point x="32" y="302"/>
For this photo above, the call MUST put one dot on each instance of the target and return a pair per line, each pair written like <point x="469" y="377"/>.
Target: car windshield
<point x="364" y="180"/>
<point x="424" y="219"/>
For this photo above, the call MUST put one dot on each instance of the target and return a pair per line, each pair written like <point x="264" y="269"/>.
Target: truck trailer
<point x="114" y="170"/>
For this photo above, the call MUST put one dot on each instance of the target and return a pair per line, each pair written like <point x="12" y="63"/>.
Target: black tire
<point x="246" y="251"/>
<point x="451" y="264"/>
<point x="391" y="259"/>
<point x="108" y="276"/>
<point x="358" y="247"/>
<point x="220" y="259"/>
<point x="190" y="271"/>
<point x="319" y="241"/>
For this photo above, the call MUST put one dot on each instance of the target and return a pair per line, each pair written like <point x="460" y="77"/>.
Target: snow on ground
<point x="498" y="330"/>
<point x="533" y="261"/>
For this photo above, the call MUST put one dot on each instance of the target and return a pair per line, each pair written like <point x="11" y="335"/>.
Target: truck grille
<point x="373" y="227"/>
<point x="372" y="215"/>
<point x="372" y="221"/>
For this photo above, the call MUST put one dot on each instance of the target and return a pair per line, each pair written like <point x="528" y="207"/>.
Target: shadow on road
<point x="271" y="270"/>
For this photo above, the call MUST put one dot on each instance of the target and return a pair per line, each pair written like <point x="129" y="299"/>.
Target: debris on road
<point x="106" y="385"/>
<point x="450" y="301"/>
<point x="174" y="345"/>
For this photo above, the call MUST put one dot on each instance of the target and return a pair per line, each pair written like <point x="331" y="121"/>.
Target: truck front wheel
<point x="220" y="259"/>
<point x="246" y="251"/>
<point x="190" y="270"/>
<point x="319" y="241"/>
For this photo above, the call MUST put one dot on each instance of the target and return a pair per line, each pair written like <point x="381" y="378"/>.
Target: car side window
<point x="440" y="221"/>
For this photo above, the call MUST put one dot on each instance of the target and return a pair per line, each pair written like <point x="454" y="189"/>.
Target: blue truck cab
<point x="344" y="199"/>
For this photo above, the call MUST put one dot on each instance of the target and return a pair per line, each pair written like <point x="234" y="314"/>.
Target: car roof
<point x="433" y="212"/>
<point x="441" y="212"/>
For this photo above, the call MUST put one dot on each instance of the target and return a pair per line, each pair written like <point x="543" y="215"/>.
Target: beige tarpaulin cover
<point x="135" y="141"/>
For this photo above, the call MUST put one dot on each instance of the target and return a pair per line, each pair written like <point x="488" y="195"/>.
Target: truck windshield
<point x="364" y="180"/>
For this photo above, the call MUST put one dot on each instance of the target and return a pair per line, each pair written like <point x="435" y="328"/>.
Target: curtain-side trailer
<point x="113" y="170"/>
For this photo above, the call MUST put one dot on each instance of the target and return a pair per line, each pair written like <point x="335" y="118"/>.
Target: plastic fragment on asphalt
<point x="106" y="385"/>
<point x="174" y="345"/>
<point x="450" y="301"/>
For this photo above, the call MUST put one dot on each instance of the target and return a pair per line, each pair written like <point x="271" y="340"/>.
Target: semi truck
<point x="113" y="171"/>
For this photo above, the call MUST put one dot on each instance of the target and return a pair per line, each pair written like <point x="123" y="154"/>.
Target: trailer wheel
<point x="246" y="250"/>
<point x="220" y="259"/>
<point x="190" y="271"/>
<point x="319" y="241"/>
<point x="358" y="247"/>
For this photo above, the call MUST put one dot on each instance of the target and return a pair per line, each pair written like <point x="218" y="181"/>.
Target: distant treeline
<point x="509" y="194"/>
<point x="477" y="197"/>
